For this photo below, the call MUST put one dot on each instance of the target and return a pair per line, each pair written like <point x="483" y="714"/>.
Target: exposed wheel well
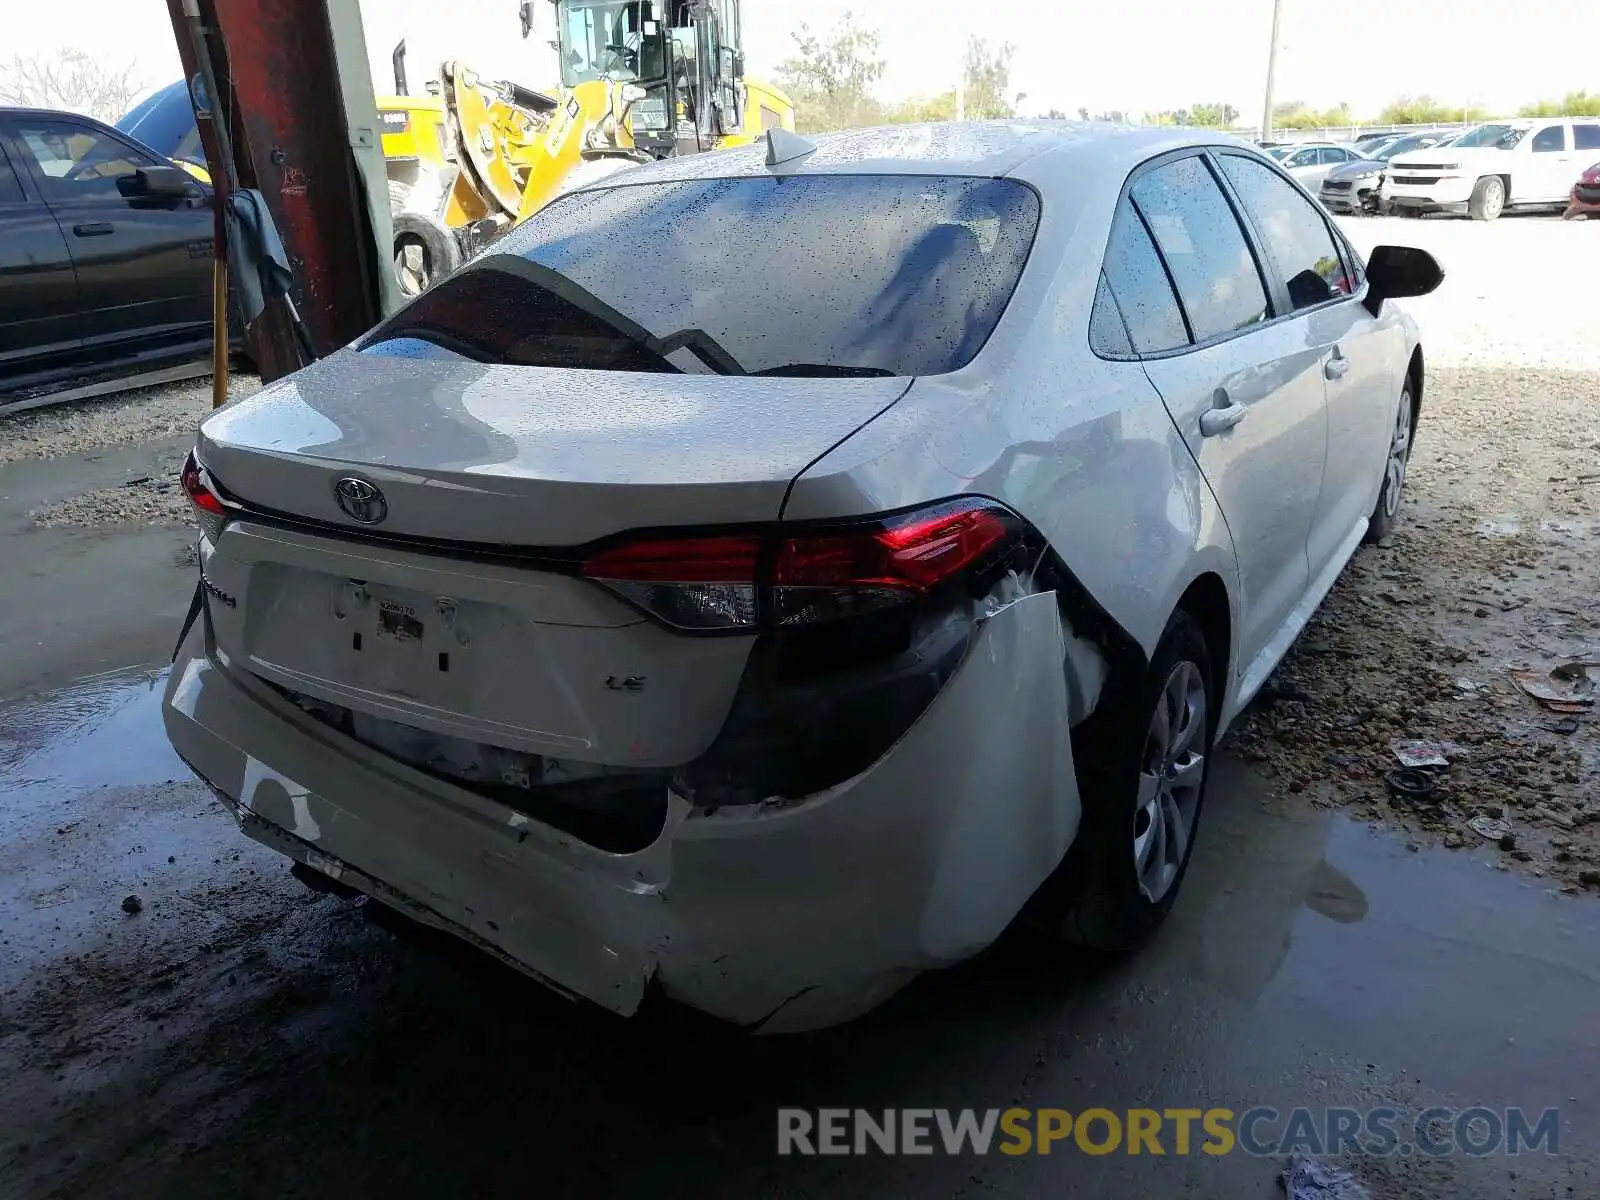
<point x="1414" y="377"/>
<point x="1206" y="600"/>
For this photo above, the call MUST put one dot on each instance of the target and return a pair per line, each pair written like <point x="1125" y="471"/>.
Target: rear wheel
<point x="1142" y="810"/>
<point x="1488" y="198"/>
<point x="424" y="252"/>
<point x="1386" y="513"/>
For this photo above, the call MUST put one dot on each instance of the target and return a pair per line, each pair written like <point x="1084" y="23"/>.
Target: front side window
<point x="77" y="161"/>
<point x="1203" y="246"/>
<point x="1552" y="139"/>
<point x="1496" y="137"/>
<point x="615" y="40"/>
<point x="1140" y="287"/>
<point x="1586" y="137"/>
<point x="797" y="275"/>
<point x="1298" y="239"/>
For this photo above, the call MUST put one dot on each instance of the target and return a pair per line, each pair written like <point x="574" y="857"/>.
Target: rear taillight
<point x="739" y="581"/>
<point x="208" y="507"/>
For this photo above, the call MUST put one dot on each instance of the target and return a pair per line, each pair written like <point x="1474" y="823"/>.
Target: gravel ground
<point x="1493" y="569"/>
<point x="140" y="415"/>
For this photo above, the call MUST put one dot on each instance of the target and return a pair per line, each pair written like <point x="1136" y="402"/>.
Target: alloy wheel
<point x="411" y="266"/>
<point x="1170" y="777"/>
<point x="1399" y="456"/>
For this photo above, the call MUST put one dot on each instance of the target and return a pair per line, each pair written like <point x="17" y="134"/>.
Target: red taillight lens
<point x="729" y="581"/>
<point x="194" y="486"/>
<point x="915" y="553"/>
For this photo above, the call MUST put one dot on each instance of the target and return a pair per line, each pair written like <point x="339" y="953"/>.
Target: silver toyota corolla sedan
<point x="763" y="575"/>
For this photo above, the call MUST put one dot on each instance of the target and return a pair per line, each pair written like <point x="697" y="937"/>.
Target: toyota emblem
<point x="361" y="500"/>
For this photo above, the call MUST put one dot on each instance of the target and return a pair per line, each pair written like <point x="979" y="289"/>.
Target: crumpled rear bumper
<point x="786" y="916"/>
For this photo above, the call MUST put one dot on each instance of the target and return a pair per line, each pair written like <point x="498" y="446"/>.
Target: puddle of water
<point x="1509" y="526"/>
<point x="102" y="731"/>
<point x="84" y="821"/>
<point x="1322" y="928"/>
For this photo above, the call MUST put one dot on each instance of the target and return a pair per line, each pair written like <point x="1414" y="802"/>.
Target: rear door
<point x="143" y="265"/>
<point x="1313" y="276"/>
<point x="1244" y="390"/>
<point x="38" y="294"/>
<point x="1546" y="174"/>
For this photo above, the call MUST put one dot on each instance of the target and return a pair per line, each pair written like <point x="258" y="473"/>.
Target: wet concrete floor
<point x="240" y="1035"/>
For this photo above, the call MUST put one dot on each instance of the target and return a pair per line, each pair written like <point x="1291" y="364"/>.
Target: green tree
<point x="1573" y="104"/>
<point x="1204" y="116"/>
<point x="830" y="77"/>
<point x="987" y="72"/>
<point x="1425" y="110"/>
<point x="1295" y="115"/>
<point x="924" y="108"/>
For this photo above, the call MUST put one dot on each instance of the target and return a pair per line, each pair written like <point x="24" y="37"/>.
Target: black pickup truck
<point x="105" y="257"/>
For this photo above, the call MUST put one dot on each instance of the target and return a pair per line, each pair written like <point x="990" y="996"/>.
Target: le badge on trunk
<point x="360" y="499"/>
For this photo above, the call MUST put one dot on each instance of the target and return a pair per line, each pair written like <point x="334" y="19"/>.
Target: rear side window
<point x="802" y="275"/>
<point x="1550" y="140"/>
<point x="1586" y="137"/>
<point x="1297" y="238"/>
<point x="1141" y="288"/>
<point x="1203" y="246"/>
<point x="1108" y="336"/>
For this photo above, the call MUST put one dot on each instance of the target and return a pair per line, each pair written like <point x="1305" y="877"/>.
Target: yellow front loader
<point x="639" y="80"/>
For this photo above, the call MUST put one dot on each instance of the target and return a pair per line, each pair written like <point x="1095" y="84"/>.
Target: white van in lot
<point x="1503" y="164"/>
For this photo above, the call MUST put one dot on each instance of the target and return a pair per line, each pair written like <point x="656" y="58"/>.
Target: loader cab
<point x="682" y="54"/>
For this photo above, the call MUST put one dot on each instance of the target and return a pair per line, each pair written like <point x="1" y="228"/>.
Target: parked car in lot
<point x="1526" y="164"/>
<point x="767" y="628"/>
<point x="1585" y="199"/>
<point x="1354" y="187"/>
<point x="105" y="255"/>
<point x="1310" y="162"/>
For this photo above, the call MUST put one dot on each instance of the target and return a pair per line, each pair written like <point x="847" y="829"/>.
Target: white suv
<point x="1500" y="165"/>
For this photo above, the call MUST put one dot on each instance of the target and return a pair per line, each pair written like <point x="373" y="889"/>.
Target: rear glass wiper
<point x="839" y="369"/>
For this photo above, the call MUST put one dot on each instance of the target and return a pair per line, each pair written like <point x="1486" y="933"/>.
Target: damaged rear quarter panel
<point x="923" y="859"/>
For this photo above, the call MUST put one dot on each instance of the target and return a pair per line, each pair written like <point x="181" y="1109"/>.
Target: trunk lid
<point x="483" y="654"/>
<point x="530" y="456"/>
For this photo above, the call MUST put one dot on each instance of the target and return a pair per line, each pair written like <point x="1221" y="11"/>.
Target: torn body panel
<point x="787" y="916"/>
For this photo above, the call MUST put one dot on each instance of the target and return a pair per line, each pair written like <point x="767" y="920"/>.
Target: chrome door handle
<point x="1336" y="366"/>
<point x="1219" y="420"/>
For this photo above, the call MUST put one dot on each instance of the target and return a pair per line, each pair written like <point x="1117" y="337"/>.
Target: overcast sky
<point x="1134" y="55"/>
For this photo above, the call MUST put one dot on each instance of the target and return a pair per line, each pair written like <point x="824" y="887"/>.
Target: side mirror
<point x="158" y="183"/>
<point x="1395" y="272"/>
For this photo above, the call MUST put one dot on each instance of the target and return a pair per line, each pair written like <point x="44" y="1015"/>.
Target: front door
<point x="143" y="264"/>
<point x="1246" y="395"/>
<point x="1549" y="172"/>
<point x="38" y="292"/>
<point x="1314" y="277"/>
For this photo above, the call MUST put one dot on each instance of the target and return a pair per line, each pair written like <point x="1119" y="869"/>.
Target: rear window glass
<point x="804" y="275"/>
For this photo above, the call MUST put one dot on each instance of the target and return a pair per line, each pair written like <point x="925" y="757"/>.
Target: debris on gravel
<point x="155" y="500"/>
<point x="123" y="419"/>
<point x="1428" y="645"/>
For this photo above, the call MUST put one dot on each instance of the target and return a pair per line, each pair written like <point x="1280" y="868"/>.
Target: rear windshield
<point x="804" y="275"/>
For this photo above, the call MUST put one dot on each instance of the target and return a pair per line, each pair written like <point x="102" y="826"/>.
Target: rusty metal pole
<point x="224" y="183"/>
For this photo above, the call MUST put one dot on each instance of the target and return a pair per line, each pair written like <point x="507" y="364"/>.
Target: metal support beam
<point x="293" y="101"/>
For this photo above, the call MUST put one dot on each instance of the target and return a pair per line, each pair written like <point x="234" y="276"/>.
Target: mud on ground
<point x="1491" y="569"/>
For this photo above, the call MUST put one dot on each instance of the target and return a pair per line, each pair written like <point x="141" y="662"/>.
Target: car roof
<point x="976" y="148"/>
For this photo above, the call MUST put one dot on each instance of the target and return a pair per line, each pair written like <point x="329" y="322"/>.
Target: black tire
<point x="425" y="251"/>
<point x="1105" y="907"/>
<point x="1386" y="513"/>
<point x="1488" y="199"/>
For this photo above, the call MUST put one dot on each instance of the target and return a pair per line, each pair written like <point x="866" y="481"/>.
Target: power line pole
<point x="1272" y="71"/>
